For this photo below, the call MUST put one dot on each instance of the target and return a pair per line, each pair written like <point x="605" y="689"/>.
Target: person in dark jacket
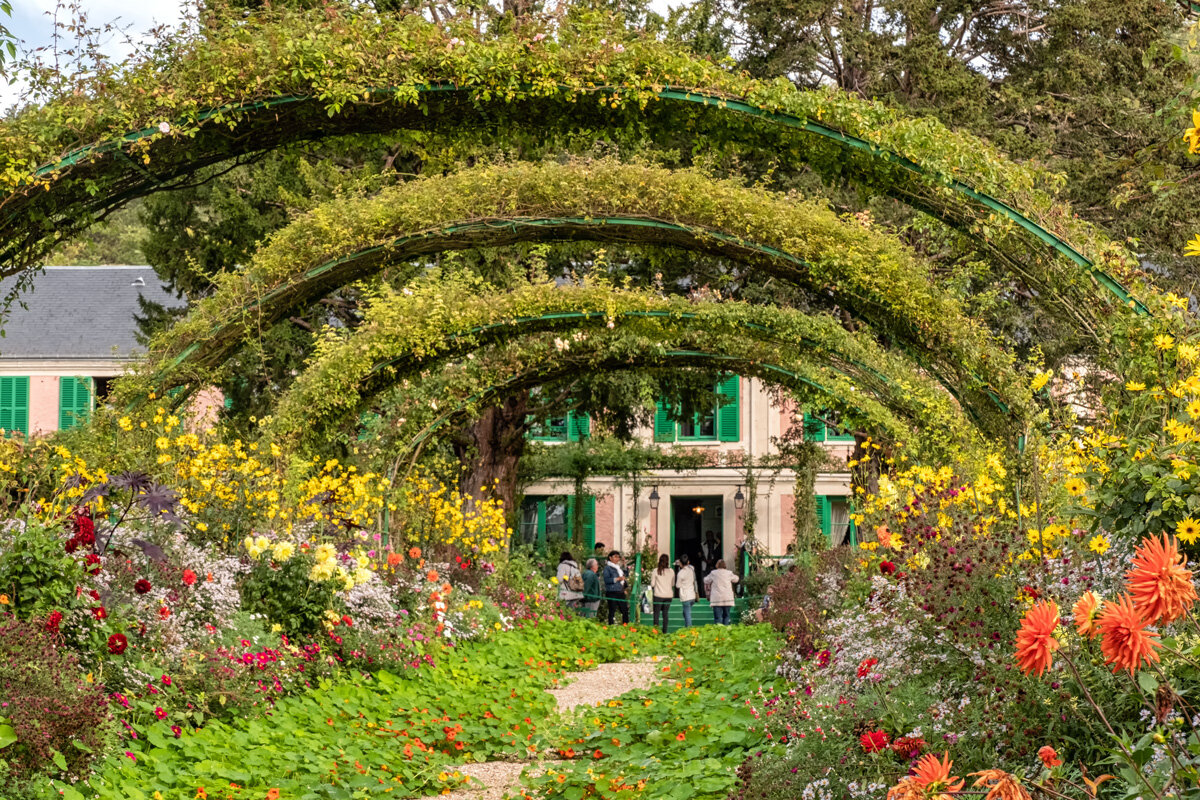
<point x="614" y="588"/>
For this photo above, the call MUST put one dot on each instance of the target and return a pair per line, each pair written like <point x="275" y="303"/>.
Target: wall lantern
<point x="654" y="499"/>
<point x="739" y="499"/>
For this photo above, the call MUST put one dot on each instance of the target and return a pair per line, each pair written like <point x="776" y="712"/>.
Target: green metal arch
<point x="386" y="351"/>
<point x="269" y="300"/>
<point x="681" y="94"/>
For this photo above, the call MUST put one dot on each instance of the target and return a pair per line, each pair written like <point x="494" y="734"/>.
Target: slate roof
<point x="80" y="312"/>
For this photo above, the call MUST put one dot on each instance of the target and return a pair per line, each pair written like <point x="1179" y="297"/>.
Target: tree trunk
<point x="492" y="447"/>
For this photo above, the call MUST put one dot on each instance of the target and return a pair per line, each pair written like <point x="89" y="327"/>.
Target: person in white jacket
<point x="719" y="586"/>
<point x="662" y="585"/>
<point x="568" y="569"/>
<point x="685" y="580"/>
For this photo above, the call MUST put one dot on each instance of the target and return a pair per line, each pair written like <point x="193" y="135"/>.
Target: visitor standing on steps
<point x="614" y="588"/>
<point x="686" y="581"/>
<point x="719" y="584"/>
<point x="662" y="584"/>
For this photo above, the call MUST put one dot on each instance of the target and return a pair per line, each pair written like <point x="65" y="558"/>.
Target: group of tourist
<point x="584" y="588"/>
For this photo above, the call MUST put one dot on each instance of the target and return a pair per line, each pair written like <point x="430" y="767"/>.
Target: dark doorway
<point x="692" y="518"/>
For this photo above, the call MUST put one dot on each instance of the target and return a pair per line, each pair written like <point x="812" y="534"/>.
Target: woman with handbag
<point x="570" y="580"/>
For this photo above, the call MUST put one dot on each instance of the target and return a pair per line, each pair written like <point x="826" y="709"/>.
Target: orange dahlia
<point x="1000" y="785"/>
<point x="1126" y="643"/>
<point x="1035" y="640"/>
<point x="1084" y="613"/>
<point x="933" y="777"/>
<point x="1159" y="582"/>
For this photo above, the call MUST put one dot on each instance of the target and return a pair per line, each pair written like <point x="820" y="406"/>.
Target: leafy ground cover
<point x="381" y="733"/>
<point x="683" y="737"/>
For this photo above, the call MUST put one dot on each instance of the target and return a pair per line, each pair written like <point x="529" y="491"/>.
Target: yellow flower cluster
<point x="430" y="513"/>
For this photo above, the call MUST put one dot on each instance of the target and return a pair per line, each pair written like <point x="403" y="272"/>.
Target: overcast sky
<point x="33" y="23"/>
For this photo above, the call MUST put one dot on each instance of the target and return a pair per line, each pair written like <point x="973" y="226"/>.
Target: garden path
<point x="580" y="688"/>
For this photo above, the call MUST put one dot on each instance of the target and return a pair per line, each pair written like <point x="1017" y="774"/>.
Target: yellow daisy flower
<point x="1164" y="341"/>
<point x="1135" y="386"/>
<point x="1188" y="530"/>
<point x="1099" y="544"/>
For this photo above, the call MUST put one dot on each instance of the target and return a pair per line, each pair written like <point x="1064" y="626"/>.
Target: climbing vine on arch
<point x="288" y="75"/>
<point x="857" y="269"/>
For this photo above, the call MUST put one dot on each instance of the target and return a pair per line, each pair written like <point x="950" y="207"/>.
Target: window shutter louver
<point x="74" y="402"/>
<point x="14" y="404"/>
<point x="589" y="523"/>
<point x="579" y="426"/>
<point x="729" y="415"/>
<point x="664" y="426"/>
<point x="6" y="404"/>
<point x="824" y="517"/>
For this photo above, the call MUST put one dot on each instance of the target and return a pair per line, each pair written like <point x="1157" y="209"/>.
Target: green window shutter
<point x="74" y="402"/>
<point x="729" y="415"/>
<point x="14" y="404"/>
<point x="589" y="523"/>
<point x="664" y="426"/>
<point x="825" y="517"/>
<point x="814" y="429"/>
<point x="579" y="426"/>
<point x="541" y="520"/>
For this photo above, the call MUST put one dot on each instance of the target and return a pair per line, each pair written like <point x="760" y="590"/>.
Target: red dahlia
<point x="117" y="643"/>
<point x="142" y="586"/>
<point x="874" y="741"/>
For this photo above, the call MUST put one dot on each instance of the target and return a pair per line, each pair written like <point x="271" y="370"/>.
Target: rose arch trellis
<point x="448" y="335"/>
<point x="270" y="81"/>
<point x="860" y="270"/>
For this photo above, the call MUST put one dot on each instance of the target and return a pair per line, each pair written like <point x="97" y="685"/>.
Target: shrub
<point x="56" y="716"/>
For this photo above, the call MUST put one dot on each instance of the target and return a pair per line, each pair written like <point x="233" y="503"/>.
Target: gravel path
<point x="576" y="689"/>
<point x="605" y="682"/>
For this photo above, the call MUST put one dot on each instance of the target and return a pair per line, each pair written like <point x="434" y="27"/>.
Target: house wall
<point x="761" y="419"/>
<point x="43" y="404"/>
<point x="44" y="377"/>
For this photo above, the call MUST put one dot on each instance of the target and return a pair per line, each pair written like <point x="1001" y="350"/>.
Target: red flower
<point x="873" y="741"/>
<point x="166" y="680"/>
<point x="71" y="545"/>
<point x="99" y="612"/>
<point x="346" y="619"/>
<point x="53" y="620"/>
<point x="1049" y="756"/>
<point x="887" y="567"/>
<point x="85" y="530"/>
<point x="142" y="586"/>
<point x="175" y="729"/>
<point x="823" y="658"/>
<point x="864" y="669"/>
<point x="117" y="643"/>
<point x="189" y="577"/>
<point x="164" y="612"/>
<point x="908" y="747"/>
<point x="93" y="560"/>
<point x="158" y="712"/>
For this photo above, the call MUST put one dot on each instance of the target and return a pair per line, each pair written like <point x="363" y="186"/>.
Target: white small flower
<point x="407" y="291"/>
<point x="539" y="37"/>
<point x="455" y="41"/>
<point x="620" y="48"/>
<point x="164" y="127"/>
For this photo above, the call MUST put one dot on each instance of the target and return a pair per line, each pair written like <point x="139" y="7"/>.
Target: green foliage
<point x="681" y="738"/>
<point x="371" y="734"/>
<point x="243" y="76"/>
<point x="36" y="573"/>
<point x="286" y="596"/>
